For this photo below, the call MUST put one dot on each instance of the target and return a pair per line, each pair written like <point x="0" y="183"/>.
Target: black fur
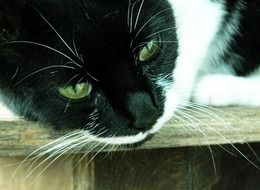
<point x="243" y="53"/>
<point x="125" y="95"/>
<point x="247" y="41"/>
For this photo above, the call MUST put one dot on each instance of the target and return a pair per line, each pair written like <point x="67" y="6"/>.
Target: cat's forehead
<point x="121" y="5"/>
<point x="122" y="12"/>
<point x="116" y="22"/>
<point x="100" y="29"/>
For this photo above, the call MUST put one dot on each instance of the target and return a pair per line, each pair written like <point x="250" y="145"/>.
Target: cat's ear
<point x="9" y="19"/>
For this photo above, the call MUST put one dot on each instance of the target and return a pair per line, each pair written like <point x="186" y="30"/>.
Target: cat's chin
<point x="133" y="139"/>
<point x="120" y="140"/>
<point x="130" y="139"/>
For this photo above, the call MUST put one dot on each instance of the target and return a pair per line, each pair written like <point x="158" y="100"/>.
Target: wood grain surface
<point x="167" y="169"/>
<point x="195" y="127"/>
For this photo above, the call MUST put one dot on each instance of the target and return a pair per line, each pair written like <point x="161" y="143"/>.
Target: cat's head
<point x="104" y="66"/>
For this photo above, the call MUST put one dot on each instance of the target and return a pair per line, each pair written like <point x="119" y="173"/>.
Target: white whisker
<point x="164" y="30"/>
<point x="138" y="14"/>
<point x="41" y="45"/>
<point x="210" y="108"/>
<point x="191" y="119"/>
<point x="128" y="13"/>
<point x="93" y="147"/>
<point x="64" y="42"/>
<point x="15" y="74"/>
<point x="100" y="150"/>
<point x="69" y="101"/>
<point x="202" y="132"/>
<point x="43" y="69"/>
<point x="142" y="44"/>
<point x="132" y="17"/>
<point x="37" y="151"/>
<point x="148" y="21"/>
<point x="252" y="150"/>
<point x="76" y="51"/>
<point x="55" y="154"/>
<point x="49" y="164"/>
<point x="69" y="81"/>
<point x="74" y="63"/>
<point x="227" y="140"/>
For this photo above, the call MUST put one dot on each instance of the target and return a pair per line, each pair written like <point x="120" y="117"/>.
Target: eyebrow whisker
<point x="64" y="42"/>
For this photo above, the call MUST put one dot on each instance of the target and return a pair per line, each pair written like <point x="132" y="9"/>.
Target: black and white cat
<point x="117" y="70"/>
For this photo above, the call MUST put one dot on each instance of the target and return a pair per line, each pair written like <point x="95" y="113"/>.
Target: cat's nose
<point x="142" y="110"/>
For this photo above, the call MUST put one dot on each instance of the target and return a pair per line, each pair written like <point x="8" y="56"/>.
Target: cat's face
<point x="104" y="66"/>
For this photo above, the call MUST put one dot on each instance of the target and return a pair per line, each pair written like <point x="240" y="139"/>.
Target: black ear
<point x="10" y="19"/>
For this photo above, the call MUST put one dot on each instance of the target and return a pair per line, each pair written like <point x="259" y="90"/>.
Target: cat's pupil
<point x="76" y="92"/>
<point x="149" y="51"/>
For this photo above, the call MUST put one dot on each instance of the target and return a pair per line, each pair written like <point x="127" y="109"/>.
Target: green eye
<point x="76" y="92"/>
<point x="149" y="51"/>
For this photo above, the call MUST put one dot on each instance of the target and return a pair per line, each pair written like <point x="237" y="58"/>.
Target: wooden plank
<point x="56" y="176"/>
<point x="83" y="172"/>
<point x="143" y="170"/>
<point x="227" y="125"/>
<point x="66" y="173"/>
<point x="137" y="170"/>
<point x="167" y="169"/>
<point x="237" y="172"/>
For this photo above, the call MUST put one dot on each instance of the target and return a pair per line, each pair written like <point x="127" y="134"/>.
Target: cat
<point x="117" y="70"/>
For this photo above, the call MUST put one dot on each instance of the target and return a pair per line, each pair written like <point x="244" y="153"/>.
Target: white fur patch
<point x="215" y="65"/>
<point x="197" y="22"/>
<point x="120" y="140"/>
<point x="225" y="90"/>
<point x="6" y="114"/>
<point x="217" y="84"/>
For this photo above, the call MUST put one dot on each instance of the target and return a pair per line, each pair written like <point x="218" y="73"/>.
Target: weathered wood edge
<point x="222" y="126"/>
